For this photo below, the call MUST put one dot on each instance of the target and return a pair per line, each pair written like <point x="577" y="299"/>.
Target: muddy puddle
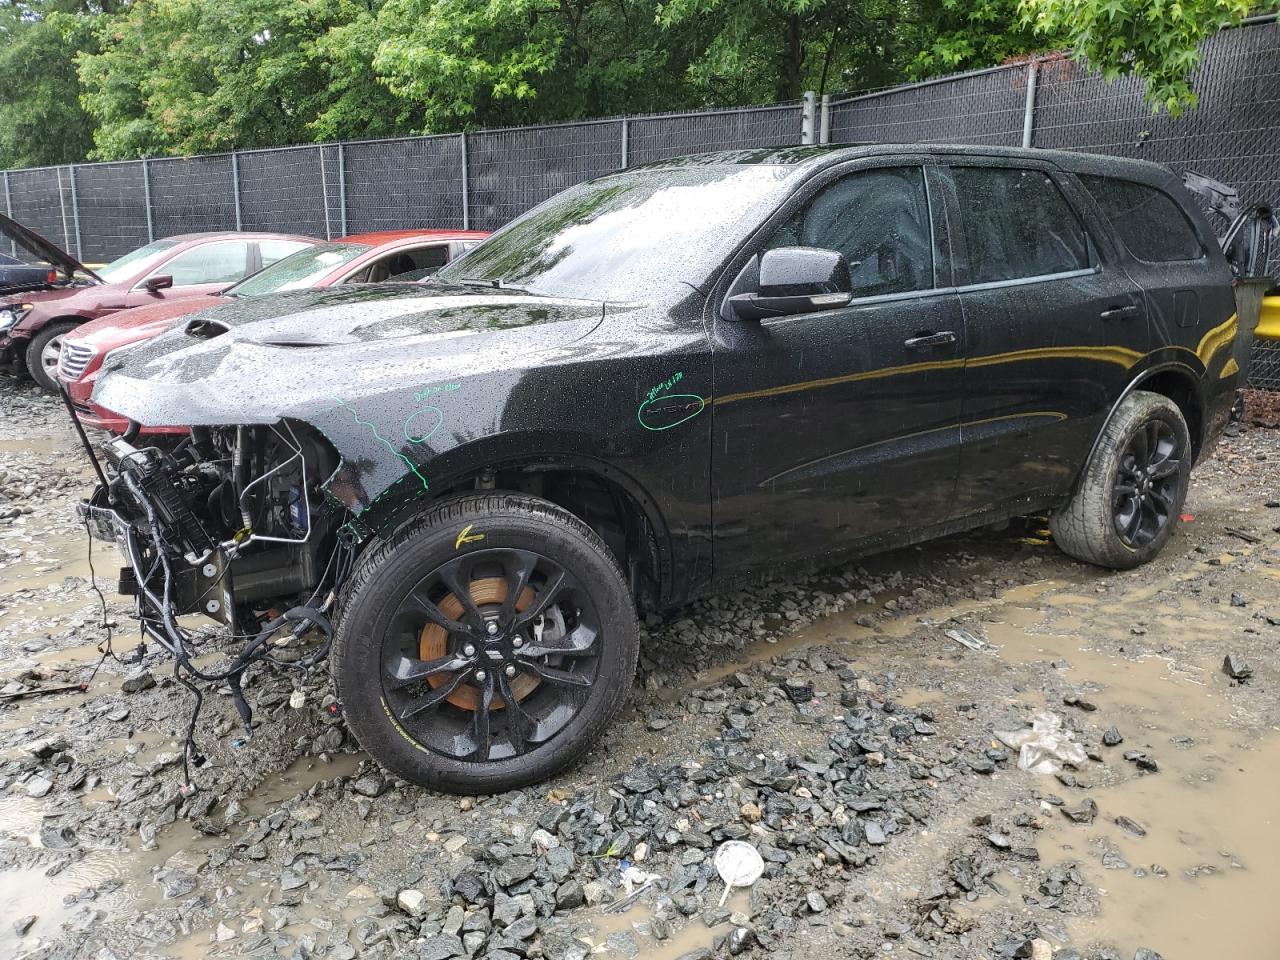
<point x="638" y="921"/>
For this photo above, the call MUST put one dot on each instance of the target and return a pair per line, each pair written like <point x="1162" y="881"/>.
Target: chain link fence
<point x="482" y="180"/>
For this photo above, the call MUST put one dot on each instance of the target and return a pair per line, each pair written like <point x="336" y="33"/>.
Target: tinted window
<point x="1017" y="224"/>
<point x="273" y="250"/>
<point x="879" y="220"/>
<point x="220" y="262"/>
<point x="1148" y="220"/>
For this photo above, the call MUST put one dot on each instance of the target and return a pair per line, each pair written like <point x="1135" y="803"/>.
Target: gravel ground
<point x="834" y="721"/>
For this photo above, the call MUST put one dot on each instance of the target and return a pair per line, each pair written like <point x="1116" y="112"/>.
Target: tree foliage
<point x="128" y="78"/>
<point x="41" y="120"/>
<point x="1156" y="40"/>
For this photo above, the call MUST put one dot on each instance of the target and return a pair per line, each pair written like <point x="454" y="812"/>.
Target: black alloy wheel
<point x="1147" y="483"/>
<point x="485" y="645"/>
<point x="490" y="655"/>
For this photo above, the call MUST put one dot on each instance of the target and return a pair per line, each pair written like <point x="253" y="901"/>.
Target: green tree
<point x="971" y="34"/>
<point x="764" y="50"/>
<point x="41" y="120"/>
<point x="1157" y="40"/>
<point x="186" y="76"/>
<point x="503" y="62"/>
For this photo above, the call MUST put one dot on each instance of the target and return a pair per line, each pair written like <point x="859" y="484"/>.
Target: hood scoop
<point x="203" y="329"/>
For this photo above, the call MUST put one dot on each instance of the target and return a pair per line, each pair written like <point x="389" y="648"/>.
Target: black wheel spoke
<point x="1165" y="468"/>
<point x="1135" y="521"/>
<point x="418" y="602"/>
<point x="548" y="592"/>
<point x="409" y="670"/>
<point x="518" y="567"/>
<point x="480" y="723"/>
<point x="1125" y="489"/>
<point x="457" y="579"/>
<point x="437" y="696"/>
<point x="519" y="726"/>
<point x="555" y="675"/>
<point x="578" y="642"/>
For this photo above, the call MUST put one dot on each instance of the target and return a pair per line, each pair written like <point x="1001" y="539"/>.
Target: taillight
<point x="52" y="277"/>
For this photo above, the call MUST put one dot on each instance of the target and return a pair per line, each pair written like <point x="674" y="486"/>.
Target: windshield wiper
<point x="498" y="284"/>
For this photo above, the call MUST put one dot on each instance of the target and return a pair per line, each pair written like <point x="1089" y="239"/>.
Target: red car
<point x="402" y="255"/>
<point x="34" y="323"/>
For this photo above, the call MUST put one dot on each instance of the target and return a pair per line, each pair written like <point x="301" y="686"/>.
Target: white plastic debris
<point x="1045" y="747"/>
<point x="633" y="877"/>
<point x="739" y="865"/>
<point x="967" y="639"/>
<point x="297" y="699"/>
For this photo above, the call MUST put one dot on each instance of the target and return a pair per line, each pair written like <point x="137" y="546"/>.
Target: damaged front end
<point x="232" y="523"/>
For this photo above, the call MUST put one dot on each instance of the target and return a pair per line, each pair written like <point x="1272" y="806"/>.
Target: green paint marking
<point x="385" y="442"/>
<point x="696" y="403"/>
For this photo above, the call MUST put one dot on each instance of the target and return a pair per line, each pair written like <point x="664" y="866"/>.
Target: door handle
<point x="1128" y="312"/>
<point x="924" y="340"/>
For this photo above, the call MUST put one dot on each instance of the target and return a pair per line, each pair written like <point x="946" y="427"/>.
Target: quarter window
<point x="272" y="250"/>
<point x="1017" y="224"/>
<point x="1148" y="220"/>
<point x="879" y="220"/>
<point x="221" y="262"/>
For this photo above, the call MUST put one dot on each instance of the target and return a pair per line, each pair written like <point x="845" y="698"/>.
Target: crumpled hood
<point x="286" y="355"/>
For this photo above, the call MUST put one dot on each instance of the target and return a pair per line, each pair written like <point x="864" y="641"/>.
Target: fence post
<point x="75" y="210"/>
<point x="324" y="193"/>
<point x="235" y="184"/>
<point x="626" y="145"/>
<point x="806" y="117"/>
<point x="1029" y="114"/>
<point x="62" y="206"/>
<point x="824" y="120"/>
<point x="8" y="212"/>
<point x="146" y="197"/>
<point x="342" y="188"/>
<point x="466" y="202"/>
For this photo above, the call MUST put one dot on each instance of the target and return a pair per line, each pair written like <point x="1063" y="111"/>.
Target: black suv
<point x="651" y="385"/>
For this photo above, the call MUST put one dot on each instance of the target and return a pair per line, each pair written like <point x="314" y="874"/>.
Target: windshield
<point x="139" y="261"/>
<point x="298" y="270"/>
<point x="628" y="236"/>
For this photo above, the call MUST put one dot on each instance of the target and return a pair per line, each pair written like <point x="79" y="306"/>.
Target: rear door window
<point x="273" y="250"/>
<point x="1016" y="224"/>
<point x="223" y="261"/>
<point x="1149" y="221"/>
<point x="879" y="220"/>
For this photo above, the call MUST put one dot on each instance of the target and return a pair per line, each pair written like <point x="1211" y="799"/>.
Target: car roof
<point x="379" y="237"/>
<point x="810" y="157"/>
<point x="236" y="235"/>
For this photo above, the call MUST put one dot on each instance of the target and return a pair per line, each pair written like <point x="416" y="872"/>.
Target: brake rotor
<point x="434" y="642"/>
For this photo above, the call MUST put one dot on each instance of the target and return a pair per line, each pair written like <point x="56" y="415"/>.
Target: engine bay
<point x="233" y="524"/>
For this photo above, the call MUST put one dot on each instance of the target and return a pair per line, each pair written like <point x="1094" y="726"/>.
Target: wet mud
<point x="304" y="847"/>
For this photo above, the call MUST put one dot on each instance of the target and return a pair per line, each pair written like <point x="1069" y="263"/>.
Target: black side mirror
<point x="796" y="280"/>
<point x="155" y="284"/>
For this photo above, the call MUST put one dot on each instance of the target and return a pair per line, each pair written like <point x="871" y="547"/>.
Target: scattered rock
<point x="138" y="681"/>
<point x="1236" y="667"/>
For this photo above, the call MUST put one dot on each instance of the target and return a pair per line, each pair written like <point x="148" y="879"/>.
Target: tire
<point x="1106" y="524"/>
<point x="47" y="341"/>
<point x="464" y="541"/>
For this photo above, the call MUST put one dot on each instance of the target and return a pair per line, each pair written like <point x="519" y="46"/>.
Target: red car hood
<point x="140" y="323"/>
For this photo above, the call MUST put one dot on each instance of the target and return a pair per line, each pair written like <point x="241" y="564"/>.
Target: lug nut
<point x="510" y="671"/>
<point x="468" y="651"/>
<point x="493" y="628"/>
<point x="481" y="676"/>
